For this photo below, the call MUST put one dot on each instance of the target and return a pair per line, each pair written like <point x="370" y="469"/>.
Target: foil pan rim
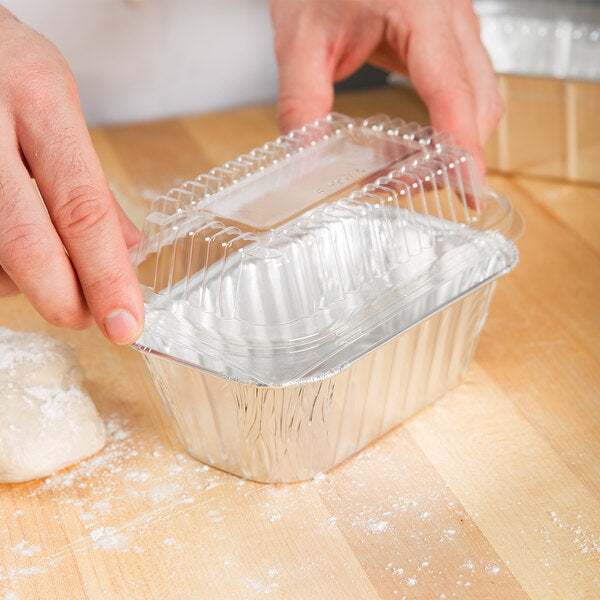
<point x="315" y="375"/>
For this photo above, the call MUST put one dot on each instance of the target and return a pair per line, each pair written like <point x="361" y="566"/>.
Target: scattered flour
<point x="25" y="548"/>
<point x="137" y="476"/>
<point x="161" y="485"/>
<point x="260" y="587"/>
<point x="378" y="526"/>
<point x="108" y="538"/>
<point x="586" y="542"/>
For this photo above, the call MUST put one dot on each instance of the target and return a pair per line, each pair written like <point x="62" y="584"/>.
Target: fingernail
<point x="121" y="327"/>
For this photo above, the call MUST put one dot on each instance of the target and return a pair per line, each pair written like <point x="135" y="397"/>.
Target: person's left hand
<point x="435" y="42"/>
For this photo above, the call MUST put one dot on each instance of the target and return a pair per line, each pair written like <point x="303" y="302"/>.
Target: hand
<point x="43" y="133"/>
<point x="435" y="42"/>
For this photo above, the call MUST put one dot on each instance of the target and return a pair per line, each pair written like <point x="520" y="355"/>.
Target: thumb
<point x="305" y="81"/>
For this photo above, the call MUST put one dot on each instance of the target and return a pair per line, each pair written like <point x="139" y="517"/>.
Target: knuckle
<point x="40" y="91"/>
<point x="32" y="65"/>
<point x="39" y="82"/>
<point x="82" y="213"/>
<point x="21" y="244"/>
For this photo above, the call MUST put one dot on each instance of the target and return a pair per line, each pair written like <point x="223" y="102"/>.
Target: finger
<point x="480" y="72"/>
<point x="58" y="148"/>
<point x="305" y="76"/>
<point x="7" y="285"/>
<point x="31" y="253"/>
<point x="131" y="233"/>
<point x="386" y="58"/>
<point x="85" y="324"/>
<point x="435" y="64"/>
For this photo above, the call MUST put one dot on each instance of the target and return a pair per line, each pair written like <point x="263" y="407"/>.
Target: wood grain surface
<point x="549" y="129"/>
<point x="491" y="493"/>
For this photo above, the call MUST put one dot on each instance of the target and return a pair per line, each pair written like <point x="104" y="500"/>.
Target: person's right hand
<point x="67" y="253"/>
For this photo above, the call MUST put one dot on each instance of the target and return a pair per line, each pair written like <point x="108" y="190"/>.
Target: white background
<point x="136" y="60"/>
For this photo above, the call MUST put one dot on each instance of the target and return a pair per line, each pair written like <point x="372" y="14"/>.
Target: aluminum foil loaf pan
<point x="312" y="294"/>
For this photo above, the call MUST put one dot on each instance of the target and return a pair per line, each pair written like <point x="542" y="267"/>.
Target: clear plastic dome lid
<point x="295" y="259"/>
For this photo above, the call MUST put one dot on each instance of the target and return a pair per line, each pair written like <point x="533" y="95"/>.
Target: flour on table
<point x="47" y="420"/>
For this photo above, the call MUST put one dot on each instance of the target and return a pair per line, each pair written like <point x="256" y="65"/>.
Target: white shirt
<point x="145" y="59"/>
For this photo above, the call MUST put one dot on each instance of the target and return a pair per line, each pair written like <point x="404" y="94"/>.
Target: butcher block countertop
<point x="493" y="492"/>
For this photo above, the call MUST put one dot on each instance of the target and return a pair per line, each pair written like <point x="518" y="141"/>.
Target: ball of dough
<point x="47" y="420"/>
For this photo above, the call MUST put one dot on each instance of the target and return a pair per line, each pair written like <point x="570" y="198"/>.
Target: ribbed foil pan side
<point x="292" y="433"/>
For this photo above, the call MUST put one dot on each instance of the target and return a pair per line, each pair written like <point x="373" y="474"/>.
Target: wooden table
<point x="491" y="493"/>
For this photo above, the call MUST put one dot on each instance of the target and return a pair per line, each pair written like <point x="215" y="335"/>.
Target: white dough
<point x="47" y="420"/>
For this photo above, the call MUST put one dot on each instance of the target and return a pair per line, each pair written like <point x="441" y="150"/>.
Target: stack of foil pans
<point x="545" y="38"/>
